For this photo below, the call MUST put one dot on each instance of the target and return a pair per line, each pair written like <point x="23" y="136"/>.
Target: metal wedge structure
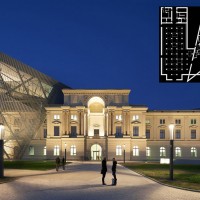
<point x="24" y="92"/>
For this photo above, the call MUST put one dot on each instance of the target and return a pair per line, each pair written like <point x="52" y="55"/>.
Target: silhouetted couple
<point x="104" y="170"/>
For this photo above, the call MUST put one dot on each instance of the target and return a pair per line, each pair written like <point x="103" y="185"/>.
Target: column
<point x="79" y="124"/>
<point x="128" y="122"/>
<point x="64" y="122"/>
<point x="109" y="123"/>
<point x="113" y="121"/>
<point x="124" y="122"/>
<point x="67" y="122"/>
<point x="82" y="123"/>
<point x="105" y="124"/>
<point x="84" y="128"/>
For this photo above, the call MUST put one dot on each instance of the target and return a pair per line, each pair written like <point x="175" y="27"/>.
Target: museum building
<point x="44" y="118"/>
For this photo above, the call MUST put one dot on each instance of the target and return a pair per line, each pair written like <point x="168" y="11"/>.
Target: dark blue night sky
<point x="96" y="44"/>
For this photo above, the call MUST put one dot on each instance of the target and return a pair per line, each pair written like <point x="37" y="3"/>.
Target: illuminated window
<point x="73" y="117"/>
<point x="56" y="117"/>
<point x="73" y="150"/>
<point x="194" y="152"/>
<point x="135" y="151"/>
<point x="148" y="151"/>
<point x="31" y="151"/>
<point x="135" y="117"/>
<point x="148" y="121"/>
<point x="178" y="152"/>
<point x="119" y="117"/>
<point x="45" y="151"/>
<point x="162" y="152"/>
<point x="56" y="151"/>
<point x="118" y="150"/>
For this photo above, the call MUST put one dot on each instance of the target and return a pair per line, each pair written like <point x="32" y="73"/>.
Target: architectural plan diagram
<point x="179" y="44"/>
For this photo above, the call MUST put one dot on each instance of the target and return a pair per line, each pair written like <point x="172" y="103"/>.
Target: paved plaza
<point x="82" y="181"/>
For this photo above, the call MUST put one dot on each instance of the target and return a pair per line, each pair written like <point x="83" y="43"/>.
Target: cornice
<point x="95" y="92"/>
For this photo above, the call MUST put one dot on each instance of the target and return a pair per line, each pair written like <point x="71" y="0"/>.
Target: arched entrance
<point x="96" y="152"/>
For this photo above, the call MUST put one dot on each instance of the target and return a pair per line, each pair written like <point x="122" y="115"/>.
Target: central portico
<point x="97" y="107"/>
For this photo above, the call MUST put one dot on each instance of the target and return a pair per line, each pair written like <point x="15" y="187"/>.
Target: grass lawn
<point x="31" y="165"/>
<point x="186" y="176"/>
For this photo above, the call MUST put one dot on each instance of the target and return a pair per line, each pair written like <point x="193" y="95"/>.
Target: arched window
<point x="45" y="151"/>
<point x="194" y="152"/>
<point x="56" y="150"/>
<point x="178" y="152"/>
<point x="135" y="151"/>
<point x="162" y="152"/>
<point x="73" y="150"/>
<point x="118" y="150"/>
<point x="148" y="151"/>
<point x="96" y="105"/>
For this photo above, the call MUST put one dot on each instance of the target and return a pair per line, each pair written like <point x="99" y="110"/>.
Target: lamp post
<point x="171" y="128"/>
<point x="124" y="152"/>
<point x="65" y="152"/>
<point x="1" y="150"/>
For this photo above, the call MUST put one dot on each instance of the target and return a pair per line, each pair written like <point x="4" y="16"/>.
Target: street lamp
<point x="124" y="152"/>
<point x="65" y="152"/>
<point x="1" y="150"/>
<point x="171" y="128"/>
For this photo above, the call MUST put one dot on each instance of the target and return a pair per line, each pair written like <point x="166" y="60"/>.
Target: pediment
<point x="118" y="122"/>
<point x="162" y="126"/>
<point x="136" y="122"/>
<point x="73" y="122"/>
<point x="193" y="126"/>
<point x="56" y="122"/>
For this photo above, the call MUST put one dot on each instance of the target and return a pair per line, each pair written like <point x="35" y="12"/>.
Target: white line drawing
<point x="195" y="54"/>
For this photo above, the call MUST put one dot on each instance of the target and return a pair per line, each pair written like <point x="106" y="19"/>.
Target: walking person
<point x="57" y="163"/>
<point x="63" y="163"/>
<point x="103" y="170"/>
<point x="114" y="165"/>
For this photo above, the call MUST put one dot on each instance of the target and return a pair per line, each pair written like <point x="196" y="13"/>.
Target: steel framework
<point x="24" y="92"/>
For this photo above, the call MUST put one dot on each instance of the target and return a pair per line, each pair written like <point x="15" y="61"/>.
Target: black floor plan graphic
<point x="179" y="44"/>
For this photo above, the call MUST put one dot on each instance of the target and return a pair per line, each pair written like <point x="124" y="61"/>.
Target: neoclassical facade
<point x="92" y="124"/>
<point x="44" y="118"/>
